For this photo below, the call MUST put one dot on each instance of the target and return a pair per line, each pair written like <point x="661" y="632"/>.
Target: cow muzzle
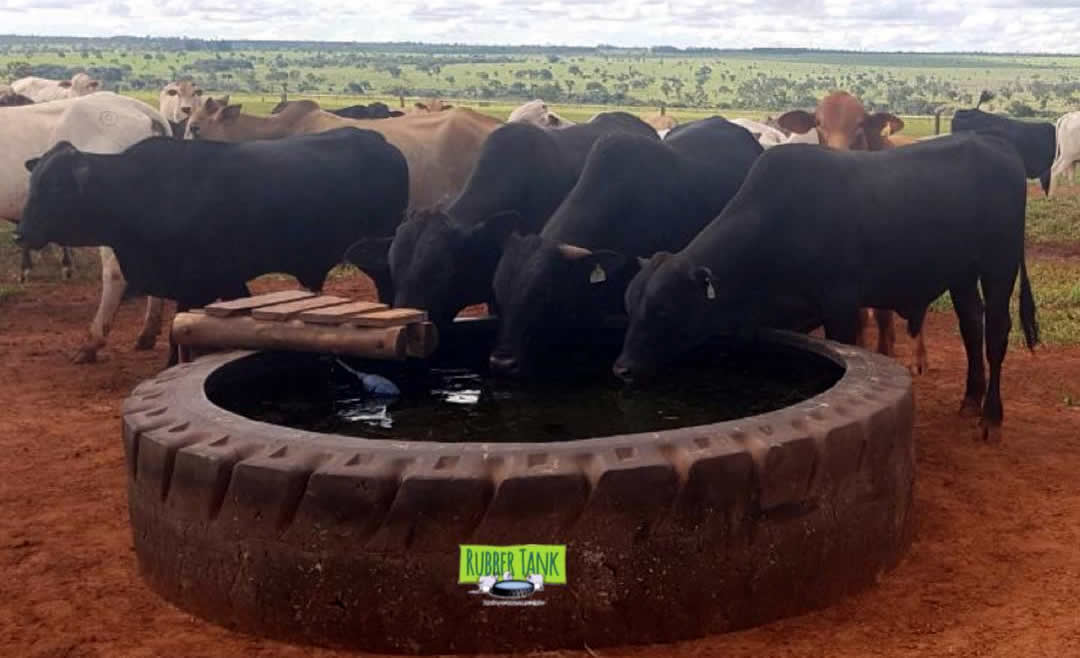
<point x="505" y="365"/>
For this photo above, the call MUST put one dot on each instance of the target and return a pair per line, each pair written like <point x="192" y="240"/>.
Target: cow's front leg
<point x="65" y="263"/>
<point x="25" y="266"/>
<point x="886" y="340"/>
<point x="151" y="324"/>
<point x="842" y="315"/>
<point x="112" y="290"/>
<point x="969" y="313"/>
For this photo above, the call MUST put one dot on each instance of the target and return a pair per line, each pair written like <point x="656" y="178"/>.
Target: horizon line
<point x="600" y="47"/>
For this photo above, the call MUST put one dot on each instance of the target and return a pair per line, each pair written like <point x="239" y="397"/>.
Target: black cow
<point x="194" y="221"/>
<point x="375" y="110"/>
<point x="444" y="260"/>
<point x="839" y="231"/>
<point x="1036" y="141"/>
<point x="635" y="197"/>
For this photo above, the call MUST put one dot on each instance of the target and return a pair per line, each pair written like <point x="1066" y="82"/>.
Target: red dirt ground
<point x="994" y="571"/>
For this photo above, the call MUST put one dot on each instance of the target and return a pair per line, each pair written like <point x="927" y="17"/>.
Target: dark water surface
<point x="460" y="402"/>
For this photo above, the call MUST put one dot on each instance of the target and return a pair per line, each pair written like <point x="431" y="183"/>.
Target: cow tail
<point x="1027" y="308"/>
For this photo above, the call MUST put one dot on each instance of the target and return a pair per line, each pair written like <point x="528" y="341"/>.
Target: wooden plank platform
<point x="244" y="305"/>
<point x="341" y="313"/>
<point x="389" y="318"/>
<point x="299" y="320"/>
<point x="289" y="310"/>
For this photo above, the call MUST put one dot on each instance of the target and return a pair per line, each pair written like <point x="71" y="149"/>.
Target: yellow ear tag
<point x="598" y="275"/>
<point x="710" y="292"/>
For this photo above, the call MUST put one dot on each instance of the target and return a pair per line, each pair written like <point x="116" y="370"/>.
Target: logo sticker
<point x="511" y="575"/>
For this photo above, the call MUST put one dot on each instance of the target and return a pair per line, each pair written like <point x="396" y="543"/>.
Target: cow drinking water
<point x="826" y="233"/>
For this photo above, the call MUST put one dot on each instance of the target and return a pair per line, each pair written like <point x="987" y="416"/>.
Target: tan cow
<point x="177" y="101"/>
<point x="42" y="90"/>
<point x="440" y="148"/>
<point x="430" y="106"/>
<point x="843" y="123"/>
<point x="661" y="121"/>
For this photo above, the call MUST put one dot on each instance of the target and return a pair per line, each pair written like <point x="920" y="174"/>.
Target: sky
<point x="919" y="25"/>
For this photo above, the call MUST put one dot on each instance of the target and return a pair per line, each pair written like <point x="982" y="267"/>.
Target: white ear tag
<point x="598" y="275"/>
<point x="710" y="292"/>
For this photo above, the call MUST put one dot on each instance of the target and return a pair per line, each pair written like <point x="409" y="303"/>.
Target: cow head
<point x="673" y="306"/>
<point x="59" y="180"/>
<point x="436" y="264"/>
<point x="543" y="288"/>
<point x="213" y="120"/>
<point x="178" y="100"/>
<point x="842" y="123"/>
<point x="537" y="113"/>
<point x="82" y="84"/>
<point x="430" y="106"/>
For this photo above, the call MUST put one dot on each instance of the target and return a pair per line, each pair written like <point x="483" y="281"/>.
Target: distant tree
<point x="1021" y="109"/>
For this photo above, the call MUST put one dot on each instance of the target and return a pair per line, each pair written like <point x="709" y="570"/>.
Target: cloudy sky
<point x="992" y="25"/>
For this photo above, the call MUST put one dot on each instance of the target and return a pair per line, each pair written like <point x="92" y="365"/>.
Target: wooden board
<point x="340" y="314"/>
<point x="287" y="311"/>
<point x="244" y="304"/>
<point x="389" y="318"/>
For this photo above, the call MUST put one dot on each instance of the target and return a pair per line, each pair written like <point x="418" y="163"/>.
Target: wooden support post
<point x="394" y="343"/>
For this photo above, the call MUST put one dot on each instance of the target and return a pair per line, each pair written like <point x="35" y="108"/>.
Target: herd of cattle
<point x="689" y="230"/>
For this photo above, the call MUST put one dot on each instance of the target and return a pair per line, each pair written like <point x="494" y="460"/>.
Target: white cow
<point x="536" y="112"/>
<point x="41" y="90"/>
<point x="177" y="101"/>
<point x="100" y="123"/>
<point x="1068" y="150"/>
<point x="769" y="137"/>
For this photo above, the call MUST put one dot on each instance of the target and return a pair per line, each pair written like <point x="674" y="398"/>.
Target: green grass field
<point x="578" y="82"/>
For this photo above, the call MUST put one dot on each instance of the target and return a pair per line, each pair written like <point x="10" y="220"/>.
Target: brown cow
<point x="661" y="121"/>
<point x="844" y="124"/>
<point x="440" y="148"/>
<point x="430" y="106"/>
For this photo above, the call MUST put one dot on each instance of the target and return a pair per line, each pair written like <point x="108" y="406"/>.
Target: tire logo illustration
<point x="524" y="571"/>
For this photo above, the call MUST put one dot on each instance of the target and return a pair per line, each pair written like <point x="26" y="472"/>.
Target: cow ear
<point x="31" y="163"/>
<point x="704" y="276"/>
<point x="797" y="121"/>
<point x="498" y="228"/>
<point x="231" y="112"/>
<point x="602" y="264"/>
<point x="370" y="253"/>
<point x="880" y="122"/>
<point x="224" y="100"/>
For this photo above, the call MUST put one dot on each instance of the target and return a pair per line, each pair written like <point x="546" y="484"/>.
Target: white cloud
<point x="993" y="25"/>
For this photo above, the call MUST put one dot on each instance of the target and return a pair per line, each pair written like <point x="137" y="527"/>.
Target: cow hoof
<point x="990" y="433"/>
<point x="145" y="342"/>
<point x="970" y="408"/>
<point x="66" y="274"/>
<point x="85" y="355"/>
<point x="24" y="276"/>
<point x="918" y="368"/>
